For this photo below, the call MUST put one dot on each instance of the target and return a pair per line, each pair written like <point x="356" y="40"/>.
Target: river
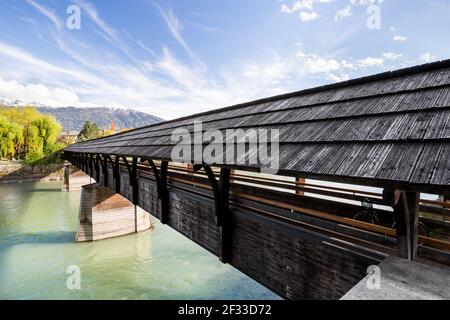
<point x="37" y="230"/>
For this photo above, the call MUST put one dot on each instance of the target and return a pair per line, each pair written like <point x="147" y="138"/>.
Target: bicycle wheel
<point x="423" y="230"/>
<point x="364" y="216"/>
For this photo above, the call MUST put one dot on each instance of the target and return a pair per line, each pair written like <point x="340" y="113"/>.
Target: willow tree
<point x="48" y="129"/>
<point x="27" y="138"/>
<point x="10" y="137"/>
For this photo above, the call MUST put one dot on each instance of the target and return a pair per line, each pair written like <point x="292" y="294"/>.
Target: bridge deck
<point x="404" y="280"/>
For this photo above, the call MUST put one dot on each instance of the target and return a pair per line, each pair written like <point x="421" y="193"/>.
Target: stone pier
<point x="105" y="214"/>
<point x="74" y="179"/>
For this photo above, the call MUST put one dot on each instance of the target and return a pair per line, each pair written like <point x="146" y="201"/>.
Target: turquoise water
<point x="37" y="230"/>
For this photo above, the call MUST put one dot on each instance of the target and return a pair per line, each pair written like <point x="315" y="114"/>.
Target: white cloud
<point x="370" y="62"/>
<point x="399" y="38"/>
<point x="162" y="84"/>
<point x="300" y="5"/>
<point x="297" y="6"/>
<point x="309" y="16"/>
<point x="347" y="11"/>
<point x="338" y="70"/>
<point x="48" y="13"/>
<point x="106" y="31"/>
<point x="365" y="2"/>
<point x="175" y="27"/>
<point x="427" y="57"/>
<point x="32" y="92"/>
<point x="392" y="56"/>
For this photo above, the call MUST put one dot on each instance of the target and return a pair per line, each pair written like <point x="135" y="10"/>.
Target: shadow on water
<point x="52" y="237"/>
<point x="47" y="190"/>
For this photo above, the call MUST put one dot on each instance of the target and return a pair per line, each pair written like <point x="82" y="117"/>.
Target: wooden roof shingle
<point x="389" y="128"/>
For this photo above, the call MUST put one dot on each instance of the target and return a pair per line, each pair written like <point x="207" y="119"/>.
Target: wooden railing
<point x="292" y="187"/>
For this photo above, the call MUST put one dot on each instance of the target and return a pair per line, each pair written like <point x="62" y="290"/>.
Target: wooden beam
<point x="190" y="169"/>
<point x="97" y="168"/>
<point x="299" y="182"/>
<point x="163" y="192"/>
<point x="221" y="193"/>
<point x="406" y="211"/>
<point x="134" y="181"/>
<point x="116" y="174"/>
<point x="226" y="228"/>
<point x="105" y="170"/>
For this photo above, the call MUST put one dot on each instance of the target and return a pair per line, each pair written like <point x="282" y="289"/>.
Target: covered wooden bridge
<point x="387" y="135"/>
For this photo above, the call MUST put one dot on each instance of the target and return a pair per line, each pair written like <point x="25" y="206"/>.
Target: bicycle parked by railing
<point x="370" y="215"/>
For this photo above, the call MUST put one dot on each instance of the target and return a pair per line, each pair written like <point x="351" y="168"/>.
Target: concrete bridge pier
<point x="104" y="214"/>
<point x="74" y="179"/>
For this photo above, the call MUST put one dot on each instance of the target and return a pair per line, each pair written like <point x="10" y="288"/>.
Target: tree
<point x="90" y="131"/>
<point x="48" y="130"/>
<point x="28" y="134"/>
<point x="6" y="138"/>
<point x="26" y="137"/>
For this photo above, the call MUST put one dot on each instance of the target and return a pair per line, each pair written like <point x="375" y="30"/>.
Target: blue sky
<point x="178" y="57"/>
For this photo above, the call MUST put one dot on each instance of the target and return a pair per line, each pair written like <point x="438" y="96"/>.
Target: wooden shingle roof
<point x="391" y="128"/>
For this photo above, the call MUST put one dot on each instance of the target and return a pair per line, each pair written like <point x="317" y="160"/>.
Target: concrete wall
<point x="104" y="214"/>
<point x="74" y="179"/>
<point x="14" y="172"/>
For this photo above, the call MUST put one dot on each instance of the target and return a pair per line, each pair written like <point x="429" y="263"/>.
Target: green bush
<point x="33" y="157"/>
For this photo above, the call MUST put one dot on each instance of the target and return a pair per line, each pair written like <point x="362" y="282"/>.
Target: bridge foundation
<point x="105" y="214"/>
<point x="74" y="179"/>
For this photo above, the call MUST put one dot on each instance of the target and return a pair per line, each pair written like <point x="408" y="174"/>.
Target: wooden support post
<point x="190" y="169"/>
<point x="163" y="192"/>
<point x="98" y="158"/>
<point x="226" y="228"/>
<point x="299" y="182"/>
<point x="90" y="165"/>
<point x="134" y="181"/>
<point x="116" y="174"/>
<point x="406" y="211"/>
<point x="105" y="170"/>
<point x="221" y="193"/>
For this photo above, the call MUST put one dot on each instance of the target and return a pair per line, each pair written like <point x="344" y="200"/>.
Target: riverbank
<point x="14" y="172"/>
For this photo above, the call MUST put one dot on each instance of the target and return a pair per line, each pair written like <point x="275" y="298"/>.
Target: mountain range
<point x="72" y="119"/>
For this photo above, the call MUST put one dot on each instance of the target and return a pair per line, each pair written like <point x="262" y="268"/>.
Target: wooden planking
<point x="271" y="119"/>
<point x="441" y="174"/>
<point x="366" y="106"/>
<point x="388" y="113"/>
